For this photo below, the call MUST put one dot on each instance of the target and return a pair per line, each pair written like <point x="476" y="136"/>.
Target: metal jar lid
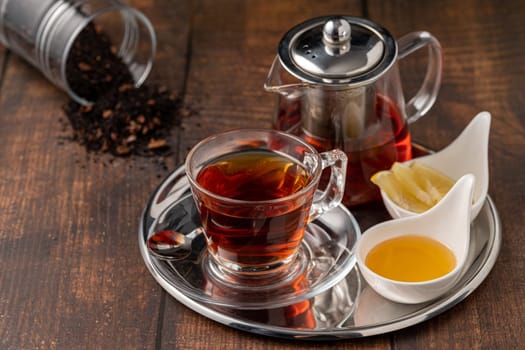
<point x="337" y="50"/>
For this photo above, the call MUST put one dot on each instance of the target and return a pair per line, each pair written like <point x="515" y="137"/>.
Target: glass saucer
<point x="328" y="247"/>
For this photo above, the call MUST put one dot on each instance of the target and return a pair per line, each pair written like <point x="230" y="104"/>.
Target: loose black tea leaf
<point x="122" y="119"/>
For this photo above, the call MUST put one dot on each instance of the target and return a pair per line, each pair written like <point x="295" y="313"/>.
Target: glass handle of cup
<point x="423" y="100"/>
<point x="332" y="195"/>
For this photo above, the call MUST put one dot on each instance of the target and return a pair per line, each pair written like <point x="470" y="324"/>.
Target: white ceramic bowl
<point x="448" y="222"/>
<point x="467" y="154"/>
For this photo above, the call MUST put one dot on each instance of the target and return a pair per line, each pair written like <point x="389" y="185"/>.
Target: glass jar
<point x="44" y="31"/>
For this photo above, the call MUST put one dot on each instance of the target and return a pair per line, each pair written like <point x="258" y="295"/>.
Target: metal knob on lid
<point x="336" y="36"/>
<point x="337" y="31"/>
<point x="337" y="50"/>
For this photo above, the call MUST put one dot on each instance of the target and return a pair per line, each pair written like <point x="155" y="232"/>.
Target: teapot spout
<point x="290" y="90"/>
<point x="279" y="81"/>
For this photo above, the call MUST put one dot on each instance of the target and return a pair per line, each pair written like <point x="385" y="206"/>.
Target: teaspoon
<point x="172" y="245"/>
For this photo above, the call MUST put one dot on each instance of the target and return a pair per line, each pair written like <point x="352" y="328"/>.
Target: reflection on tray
<point x="348" y="306"/>
<point x="327" y="310"/>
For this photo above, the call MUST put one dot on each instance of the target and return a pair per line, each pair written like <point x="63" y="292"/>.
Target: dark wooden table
<point x="71" y="276"/>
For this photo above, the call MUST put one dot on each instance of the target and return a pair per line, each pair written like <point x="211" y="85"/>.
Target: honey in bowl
<point x="411" y="258"/>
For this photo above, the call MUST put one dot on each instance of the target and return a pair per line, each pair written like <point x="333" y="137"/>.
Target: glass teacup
<point x="256" y="190"/>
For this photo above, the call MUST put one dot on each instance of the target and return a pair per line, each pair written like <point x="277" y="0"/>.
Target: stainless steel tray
<point x="350" y="309"/>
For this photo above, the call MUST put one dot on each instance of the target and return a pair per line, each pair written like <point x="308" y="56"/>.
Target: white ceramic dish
<point x="448" y="222"/>
<point x="467" y="154"/>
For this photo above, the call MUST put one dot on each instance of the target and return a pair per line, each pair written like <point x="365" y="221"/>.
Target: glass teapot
<point x="338" y="86"/>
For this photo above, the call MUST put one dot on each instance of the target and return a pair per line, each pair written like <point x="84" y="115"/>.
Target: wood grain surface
<point x="71" y="275"/>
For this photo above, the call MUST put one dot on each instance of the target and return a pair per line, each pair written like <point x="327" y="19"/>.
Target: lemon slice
<point x="435" y="183"/>
<point x="416" y="187"/>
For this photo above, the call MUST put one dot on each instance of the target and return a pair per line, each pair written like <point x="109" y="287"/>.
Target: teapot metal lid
<point x="337" y="50"/>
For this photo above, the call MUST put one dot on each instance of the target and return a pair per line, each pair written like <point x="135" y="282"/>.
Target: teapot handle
<point x="423" y="100"/>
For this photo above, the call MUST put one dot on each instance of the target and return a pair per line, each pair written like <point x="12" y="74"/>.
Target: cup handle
<point x="332" y="195"/>
<point x="419" y="105"/>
